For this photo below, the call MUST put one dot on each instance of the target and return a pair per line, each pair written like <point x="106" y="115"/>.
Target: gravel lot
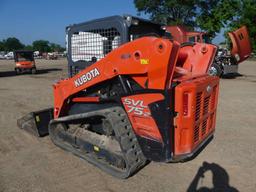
<point x="32" y="164"/>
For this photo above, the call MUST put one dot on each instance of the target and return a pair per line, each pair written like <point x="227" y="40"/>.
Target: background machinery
<point x="132" y="95"/>
<point x="24" y="61"/>
<point x="225" y="62"/>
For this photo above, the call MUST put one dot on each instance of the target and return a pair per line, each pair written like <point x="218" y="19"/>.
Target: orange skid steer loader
<point x="132" y="95"/>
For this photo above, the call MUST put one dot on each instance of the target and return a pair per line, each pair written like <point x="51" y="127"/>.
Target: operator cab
<point x="91" y="41"/>
<point x="23" y="56"/>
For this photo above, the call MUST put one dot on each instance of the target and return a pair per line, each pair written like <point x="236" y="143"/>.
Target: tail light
<point x="185" y="104"/>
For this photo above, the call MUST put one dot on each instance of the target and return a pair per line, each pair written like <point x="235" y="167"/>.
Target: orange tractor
<point x="133" y="95"/>
<point x="225" y="62"/>
<point x="24" y="62"/>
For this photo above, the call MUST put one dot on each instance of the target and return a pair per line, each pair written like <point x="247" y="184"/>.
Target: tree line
<point x="12" y="44"/>
<point x="208" y="15"/>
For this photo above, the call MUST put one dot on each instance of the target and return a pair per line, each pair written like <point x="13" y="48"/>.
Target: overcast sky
<point x="30" y="20"/>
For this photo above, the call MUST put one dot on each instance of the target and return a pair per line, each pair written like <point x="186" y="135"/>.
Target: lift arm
<point x="152" y="59"/>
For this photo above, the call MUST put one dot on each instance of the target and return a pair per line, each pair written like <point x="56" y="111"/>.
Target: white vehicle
<point x="86" y="46"/>
<point x="2" y="53"/>
<point x="83" y="48"/>
<point x="36" y="54"/>
<point x="9" y="55"/>
<point x="2" y="56"/>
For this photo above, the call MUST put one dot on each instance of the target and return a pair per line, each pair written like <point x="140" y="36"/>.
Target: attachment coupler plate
<point x="36" y="123"/>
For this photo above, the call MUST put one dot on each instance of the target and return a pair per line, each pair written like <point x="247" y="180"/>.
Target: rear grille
<point x="213" y="97"/>
<point x="204" y="126"/>
<point x="196" y="133"/>
<point x="211" y="122"/>
<point x="195" y="106"/>
<point x="198" y="106"/>
<point x="203" y="106"/>
<point x="206" y="105"/>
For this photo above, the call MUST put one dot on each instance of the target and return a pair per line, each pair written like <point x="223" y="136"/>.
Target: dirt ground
<point x="31" y="164"/>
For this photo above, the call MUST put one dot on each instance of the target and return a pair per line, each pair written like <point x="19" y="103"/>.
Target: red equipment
<point x="24" y="61"/>
<point x="147" y="99"/>
<point x="241" y="44"/>
<point x="182" y="35"/>
<point x="225" y="62"/>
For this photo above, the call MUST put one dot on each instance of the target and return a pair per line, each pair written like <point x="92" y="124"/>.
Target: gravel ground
<point x="32" y="164"/>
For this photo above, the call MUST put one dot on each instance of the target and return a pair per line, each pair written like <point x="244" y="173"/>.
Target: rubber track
<point x="131" y="150"/>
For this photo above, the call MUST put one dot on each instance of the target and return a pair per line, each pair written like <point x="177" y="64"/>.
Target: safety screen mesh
<point x="93" y="45"/>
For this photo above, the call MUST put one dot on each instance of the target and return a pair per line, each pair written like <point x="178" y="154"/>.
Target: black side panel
<point x="154" y="150"/>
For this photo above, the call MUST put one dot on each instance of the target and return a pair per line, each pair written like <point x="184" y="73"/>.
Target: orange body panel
<point x="195" y="104"/>
<point x="25" y="64"/>
<point x="137" y="108"/>
<point x="241" y="44"/>
<point x="197" y="59"/>
<point x="147" y="59"/>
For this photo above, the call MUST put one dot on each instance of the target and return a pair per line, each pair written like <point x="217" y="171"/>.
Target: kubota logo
<point x="136" y="107"/>
<point x="87" y="77"/>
